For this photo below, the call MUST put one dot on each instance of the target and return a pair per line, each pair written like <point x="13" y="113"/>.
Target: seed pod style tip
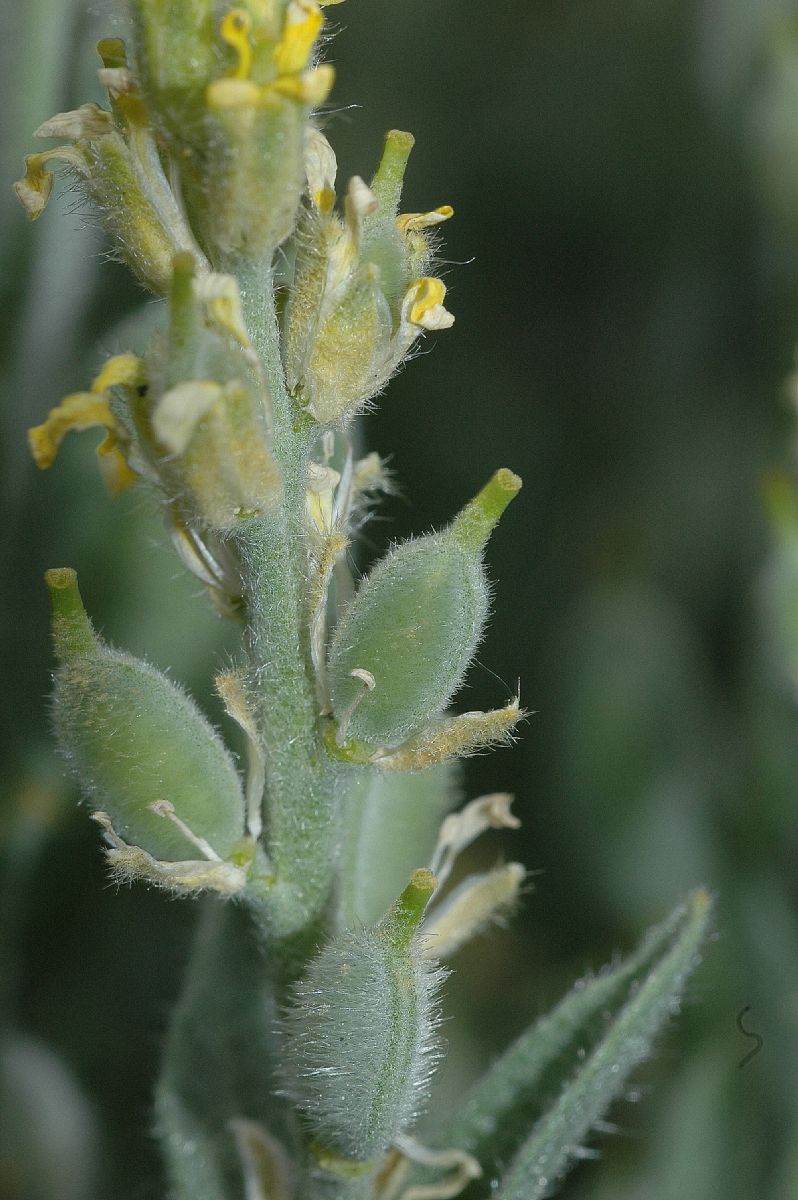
<point x="403" y="918"/>
<point x="72" y="631"/>
<point x="475" y="523"/>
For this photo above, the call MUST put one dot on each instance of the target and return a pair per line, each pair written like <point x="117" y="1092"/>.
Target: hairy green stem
<point x="300" y="783"/>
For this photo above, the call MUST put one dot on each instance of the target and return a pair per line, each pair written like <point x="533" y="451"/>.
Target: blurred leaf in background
<point x="625" y="280"/>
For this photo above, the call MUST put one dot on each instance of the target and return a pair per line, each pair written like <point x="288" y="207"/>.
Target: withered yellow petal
<point x="33" y="190"/>
<point x="303" y="22"/>
<point x="235" y="29"/>
<point x="81" y="410"/>
<point x="423" y="305"/>
<point x="412" y="221"/>
<point x="123" y="370"/>
<point x="88" y="121"/>
<point x="116" y="472"/>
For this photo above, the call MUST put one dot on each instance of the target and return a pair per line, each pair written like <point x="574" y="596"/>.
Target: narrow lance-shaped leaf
<point x="520" y="1086"/>
<point x="557" y="1139"/>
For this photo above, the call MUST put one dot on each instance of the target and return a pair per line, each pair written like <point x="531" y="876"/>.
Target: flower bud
<point x="250" y="173"/>
<point x="359" y="298"/>
<point x="207" y="426"/>
<point x="221" y="461"/>
<point x="361" y="1031"/>
<point x="139" y="746"/>
<point x="413" y="626"/>
<point x="115" y="158"/>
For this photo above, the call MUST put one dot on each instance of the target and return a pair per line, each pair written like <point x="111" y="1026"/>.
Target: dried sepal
<point x="453" y="737"/>
<point x="131" y="864"/>
<point x="460" y="829"/>
<point x="479" y="901"/>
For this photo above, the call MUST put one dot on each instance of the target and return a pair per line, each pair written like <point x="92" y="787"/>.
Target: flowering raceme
<point x="284" y="315"/>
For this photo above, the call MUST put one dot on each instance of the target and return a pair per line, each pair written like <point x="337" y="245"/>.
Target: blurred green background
<point x="624" y="274"/>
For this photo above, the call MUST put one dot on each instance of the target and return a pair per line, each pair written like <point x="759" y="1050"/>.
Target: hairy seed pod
<point x="361" y="1031"/>
<point x="414" y="625"/>
<point x="134" y="739"/>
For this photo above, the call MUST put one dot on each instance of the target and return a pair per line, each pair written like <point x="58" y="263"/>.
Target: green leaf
<point x="529" y="1084"/>
<point x="556" y="1140"/>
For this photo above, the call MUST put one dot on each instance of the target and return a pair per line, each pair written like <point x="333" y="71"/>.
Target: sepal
<point x="452" y="737"/>
<point x="130" y="864"/>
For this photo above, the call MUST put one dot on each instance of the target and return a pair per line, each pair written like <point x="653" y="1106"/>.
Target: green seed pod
<point x="134" y="740"/>
<point x="413" y="626"/>
<point x="361" y="1031"/>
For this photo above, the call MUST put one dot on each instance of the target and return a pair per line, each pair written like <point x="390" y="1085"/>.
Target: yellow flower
<point x="87" y="410"/>
<point x="360" y="295"/>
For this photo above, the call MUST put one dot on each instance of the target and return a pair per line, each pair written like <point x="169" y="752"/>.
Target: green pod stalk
<point x="361" y="1032"/>
<point x="134" y="739"/>
<point x="414" y="625"/>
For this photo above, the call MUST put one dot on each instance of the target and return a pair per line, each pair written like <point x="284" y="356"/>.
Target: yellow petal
<point x="235" y="29"/>
<point x="423" y="305"/>
<point x="123" y="370"/>
<point x="81" y="410"/>
<point x="412" y="221"/>
<point x="225" y="94"/>
<point x="33" y="190"/>
<point x="311" y="87"/>
<point x="303" y="21"/>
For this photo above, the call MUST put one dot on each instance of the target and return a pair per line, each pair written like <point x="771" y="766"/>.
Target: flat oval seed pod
<point x="414" y="626"/>
<point x="361" y="1031"/>
<point x="134" y="739"/>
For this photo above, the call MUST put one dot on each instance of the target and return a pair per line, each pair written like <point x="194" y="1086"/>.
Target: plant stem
<point x="300" y="780"/>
